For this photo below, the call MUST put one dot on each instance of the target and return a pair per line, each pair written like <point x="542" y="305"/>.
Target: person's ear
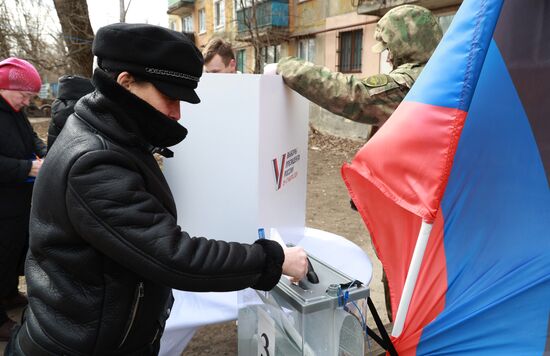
<point x="233" y="65"/>
<point x="125" y="79"/>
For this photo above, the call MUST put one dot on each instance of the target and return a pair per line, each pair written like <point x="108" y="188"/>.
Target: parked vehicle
<point x="39" y="107"/>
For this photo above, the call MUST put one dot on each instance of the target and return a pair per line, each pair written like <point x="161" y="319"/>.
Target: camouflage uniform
<point x="411" y="34"/>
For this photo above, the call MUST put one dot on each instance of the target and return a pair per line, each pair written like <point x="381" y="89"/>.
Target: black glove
<point x="352" y="204"/>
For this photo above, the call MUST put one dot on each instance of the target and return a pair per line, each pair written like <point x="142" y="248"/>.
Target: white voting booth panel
<point x="243" y="166"/>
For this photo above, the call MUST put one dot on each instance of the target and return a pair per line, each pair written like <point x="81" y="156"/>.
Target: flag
<point x="468" y="151"/>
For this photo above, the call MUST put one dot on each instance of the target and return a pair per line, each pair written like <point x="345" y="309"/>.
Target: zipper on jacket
<point x="139" y="293"/>
<point x="156" y="335"/>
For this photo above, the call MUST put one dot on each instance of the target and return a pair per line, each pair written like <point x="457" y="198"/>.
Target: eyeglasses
<point x="25" y="95"/>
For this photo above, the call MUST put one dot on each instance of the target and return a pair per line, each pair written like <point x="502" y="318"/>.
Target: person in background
<point x="71" y="88"/>
<point x="21" y="153"/>
<point x="219" y="57"/>
<point x="410" y="34"/>
<point x="106" y="248"/>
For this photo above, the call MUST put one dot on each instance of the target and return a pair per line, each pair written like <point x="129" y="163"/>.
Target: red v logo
<point x="278" y="170"/>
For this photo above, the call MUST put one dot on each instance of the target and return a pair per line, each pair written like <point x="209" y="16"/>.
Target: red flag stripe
<point x="425" y="147"/>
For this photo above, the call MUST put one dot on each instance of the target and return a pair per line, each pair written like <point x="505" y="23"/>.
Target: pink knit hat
<point x="18" y="74"/>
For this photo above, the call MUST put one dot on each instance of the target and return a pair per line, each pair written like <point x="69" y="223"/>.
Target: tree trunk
<point x="78" y="34"/>
<point x="121" y="11"/>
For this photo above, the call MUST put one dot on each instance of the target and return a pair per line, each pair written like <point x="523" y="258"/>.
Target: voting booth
<point x="243" y="166"/>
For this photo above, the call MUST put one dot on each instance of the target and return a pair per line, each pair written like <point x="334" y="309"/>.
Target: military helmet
<point x="410" y="32"/>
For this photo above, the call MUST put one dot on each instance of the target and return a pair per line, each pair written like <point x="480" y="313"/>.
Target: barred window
<point x="351" y="46"/>
<point x="271" y="54"/>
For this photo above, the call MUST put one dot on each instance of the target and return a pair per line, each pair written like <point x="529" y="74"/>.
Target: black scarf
<point x="146" y="125"/>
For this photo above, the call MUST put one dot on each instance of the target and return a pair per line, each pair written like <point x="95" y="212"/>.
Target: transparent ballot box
<point x="326" y="318"/>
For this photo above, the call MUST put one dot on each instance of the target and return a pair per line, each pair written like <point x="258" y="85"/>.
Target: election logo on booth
<point x="284" y="168"/>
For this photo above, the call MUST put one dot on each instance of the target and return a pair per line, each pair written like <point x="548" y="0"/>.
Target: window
<point x="271" y="54"/>
<point x="219" y="13"/>
<point x="187" y="24"/>
<point x="241" y="60"/>
<point x="202" y="21"/>
<point x="351" y="45"/>
<point x="172" y="25"/>
<point x="306" y="49"/>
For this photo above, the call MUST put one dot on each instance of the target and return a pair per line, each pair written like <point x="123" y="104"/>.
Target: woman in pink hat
<point x="21" y="153"/>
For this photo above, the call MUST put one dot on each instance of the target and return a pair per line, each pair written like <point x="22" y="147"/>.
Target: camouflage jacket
<point x="370" y="100"/>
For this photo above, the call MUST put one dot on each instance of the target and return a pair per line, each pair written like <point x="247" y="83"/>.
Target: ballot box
<point x="326" y="318"/>
<point x="243" y="164"/>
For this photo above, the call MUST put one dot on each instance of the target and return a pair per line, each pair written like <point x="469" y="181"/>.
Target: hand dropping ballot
<point x="275" y="236"/>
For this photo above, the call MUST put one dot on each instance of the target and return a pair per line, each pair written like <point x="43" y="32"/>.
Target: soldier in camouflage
<point x="410" y="33"/>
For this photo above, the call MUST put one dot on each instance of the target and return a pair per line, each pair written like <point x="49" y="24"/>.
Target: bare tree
<point x="24" y="34"/>
<point x="78" y="34"/>
<point x="5" y="31"/>
<point x="123" y="10"/>
<point x="252" y="17"/>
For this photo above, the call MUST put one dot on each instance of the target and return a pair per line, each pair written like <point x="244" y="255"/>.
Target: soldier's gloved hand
<point x="352" y="205"/>
<point x="270" y="69"/>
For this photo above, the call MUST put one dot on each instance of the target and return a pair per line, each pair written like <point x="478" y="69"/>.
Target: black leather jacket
<point x="105" y="244"/>
<point x="71" y="88"/>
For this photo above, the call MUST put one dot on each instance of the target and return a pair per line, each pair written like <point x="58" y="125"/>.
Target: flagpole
<point x="412" y="275"/>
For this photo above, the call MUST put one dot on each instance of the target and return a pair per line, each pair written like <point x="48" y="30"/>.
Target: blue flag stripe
<point x="497" y="217"/>
<point x="454" y="67"/>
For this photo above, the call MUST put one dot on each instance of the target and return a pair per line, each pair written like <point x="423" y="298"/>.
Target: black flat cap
<point x="166" y="58"/>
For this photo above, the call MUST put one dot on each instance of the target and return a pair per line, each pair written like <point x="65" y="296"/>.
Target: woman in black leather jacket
<point x="105" y="245"/>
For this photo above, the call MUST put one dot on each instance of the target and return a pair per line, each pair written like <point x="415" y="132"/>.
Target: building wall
<point x="174" y="22"/>
<point x="309" y="16"/>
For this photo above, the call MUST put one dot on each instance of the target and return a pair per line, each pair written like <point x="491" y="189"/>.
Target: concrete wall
<point x="328" y="123"/>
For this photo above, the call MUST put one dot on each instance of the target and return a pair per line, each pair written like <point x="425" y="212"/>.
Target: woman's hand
<point x="295" y="264"/>
<point x="36" y="165"/>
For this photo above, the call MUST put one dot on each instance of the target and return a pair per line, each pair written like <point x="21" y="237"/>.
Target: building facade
<point x="337" y="34"/>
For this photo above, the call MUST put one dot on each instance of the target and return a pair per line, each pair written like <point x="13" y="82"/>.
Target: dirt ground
<point x="328" y="209"/>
